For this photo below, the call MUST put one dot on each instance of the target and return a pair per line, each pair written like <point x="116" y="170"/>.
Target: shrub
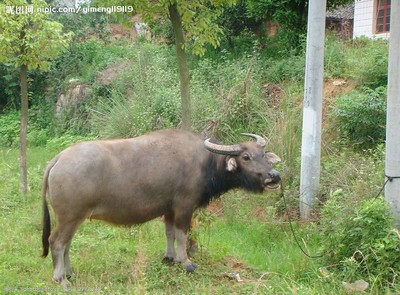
<point x="361" y="116"/>
<point x="360" y="239"/>
<point x="9" y="128"/>
<point x="37" y="134"/>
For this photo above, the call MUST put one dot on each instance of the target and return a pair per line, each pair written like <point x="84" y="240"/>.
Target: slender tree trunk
<point x="24" y="127"/>
<point x="176" y="21"/>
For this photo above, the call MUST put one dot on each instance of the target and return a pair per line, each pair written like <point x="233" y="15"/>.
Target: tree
<point x="194" y="23"/>
<point x="29" y="40"/>
<point x="183" y="69"/>
<point x="236" y="19"/>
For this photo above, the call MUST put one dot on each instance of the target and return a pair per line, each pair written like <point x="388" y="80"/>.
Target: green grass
<point x="247" y="234"/>
<point x="246" y="237"/>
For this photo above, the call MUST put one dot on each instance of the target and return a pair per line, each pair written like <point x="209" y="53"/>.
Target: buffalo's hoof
<point x="63" y="282"/>
<point x="66" y="285"/>
<point x="192" y="250"/>
<point x="168" y="260"/>
<point x="191" y="267"/>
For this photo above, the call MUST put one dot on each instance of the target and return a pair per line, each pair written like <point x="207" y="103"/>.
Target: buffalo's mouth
<point x="271" y="184"/>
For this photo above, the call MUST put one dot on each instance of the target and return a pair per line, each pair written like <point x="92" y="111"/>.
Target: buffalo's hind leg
<point x="60" y="241"/>
<point x="67" y="261"/>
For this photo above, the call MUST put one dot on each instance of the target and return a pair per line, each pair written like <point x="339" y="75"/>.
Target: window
<point x="383" y="16"/>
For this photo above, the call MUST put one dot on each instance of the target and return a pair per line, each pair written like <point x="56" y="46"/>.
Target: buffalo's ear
<point x="272" y="158"/>
<point x="231" y="164"/>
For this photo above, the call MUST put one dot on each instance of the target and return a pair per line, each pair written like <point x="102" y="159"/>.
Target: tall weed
<point x="366" y="61"/>
<point x="118" y="116"/>
<point x="143" y="97"/>
<point x="334" y="57"/>
<point x="291" y="68"/>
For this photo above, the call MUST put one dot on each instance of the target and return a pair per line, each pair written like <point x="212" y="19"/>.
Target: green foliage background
<point x="250" y="84"/>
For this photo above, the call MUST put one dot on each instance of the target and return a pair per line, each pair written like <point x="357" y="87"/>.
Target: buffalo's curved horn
<point x="231" y="150"/>
<point x="260" y="141"/>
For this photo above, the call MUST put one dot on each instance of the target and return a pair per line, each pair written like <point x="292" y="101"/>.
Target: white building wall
<point x="364" y="20"/>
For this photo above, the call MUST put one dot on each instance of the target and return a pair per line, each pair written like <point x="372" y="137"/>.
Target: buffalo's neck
<point x="217" y="180"/>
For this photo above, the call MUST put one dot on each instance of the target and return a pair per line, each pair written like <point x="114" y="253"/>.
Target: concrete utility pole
<point x="312" y="109"/>
<point x="392" y="164"/>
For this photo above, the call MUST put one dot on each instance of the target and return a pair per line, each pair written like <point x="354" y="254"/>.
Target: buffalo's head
<point x="249" y="163"/>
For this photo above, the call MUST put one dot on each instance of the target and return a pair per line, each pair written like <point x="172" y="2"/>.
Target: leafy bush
<point x="361" y="116"/>
<point x="360" y="239"/>
<point x="375" y="73"/>
<point x="38" y="126"/>
<point x="9" y="128"/>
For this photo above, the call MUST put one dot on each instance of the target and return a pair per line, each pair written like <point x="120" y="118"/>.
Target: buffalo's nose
<point x="274" y="175"/>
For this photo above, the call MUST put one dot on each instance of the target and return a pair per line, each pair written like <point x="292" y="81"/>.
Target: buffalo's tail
<point x="46" y="214"/>
<point x="46" y="229"/>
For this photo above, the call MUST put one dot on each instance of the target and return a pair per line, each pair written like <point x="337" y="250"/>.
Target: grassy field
<point x="244" y="237"/>
<point x="241" y="233"/>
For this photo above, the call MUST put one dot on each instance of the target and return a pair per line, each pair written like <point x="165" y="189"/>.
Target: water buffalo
<point x="166" y="173"/>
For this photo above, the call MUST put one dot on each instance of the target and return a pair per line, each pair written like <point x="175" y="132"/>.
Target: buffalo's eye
<point x="246" y="157"/>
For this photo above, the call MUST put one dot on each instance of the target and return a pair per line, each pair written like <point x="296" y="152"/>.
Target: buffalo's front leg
<point x="181" y="225"/>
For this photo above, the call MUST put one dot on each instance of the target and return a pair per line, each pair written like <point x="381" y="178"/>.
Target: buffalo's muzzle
<point x="272" y="181"/>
